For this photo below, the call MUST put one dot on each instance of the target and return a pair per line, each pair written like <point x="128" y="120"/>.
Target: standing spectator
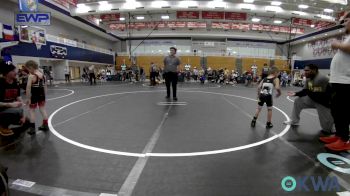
<point x="123" y="67"/>
<point x="340" y="82"/>
<point x="195" y="74"/>
<point x="316" y="94"/>
<point x="160" y="75"/>
<point x="92" y="75"/>
<point x="171" y="64"/>
<point x="254" y="71"/>
<point x="227" y="75"/>
<point x="142" y="74"/>
<point x="289" y="79"/>
<point x="284" y="77"/>
<point x="249" y="78"/>
<point x="153" y="73"/>
<point x="51" y="76"/>
<point x="67" y="74"/>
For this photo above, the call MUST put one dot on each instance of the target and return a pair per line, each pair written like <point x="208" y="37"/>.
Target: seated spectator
<point x="11" y="112"/>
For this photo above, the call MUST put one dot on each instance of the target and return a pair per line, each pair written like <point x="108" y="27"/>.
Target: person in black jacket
<point x="316" y="94"/>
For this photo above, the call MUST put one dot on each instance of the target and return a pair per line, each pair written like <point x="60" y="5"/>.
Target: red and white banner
<point x="213" y="15"/>
<point x="275" y="29"/>
<point x="266" y="27"/>
<point x="284" y="29"/>
<point x="93" y="19"/>
<point x="298" y="31"/>
<point x="257" y="27"/>
<point x="117" y="26"/>
<point x="214" y="25"/>
<point x="162" y="24"/>
<point x="73" y="2"/>
<point x="235" y="16"/>
<point x="176" y="24"/>
<point x="220" y="25"/>
<point x="323" y="24"/>
<point x="236" y="26"/>
<point x="302" y="22"/>
<point x="187" y="15"/>
<point x="245" y="27"/>
<point x="196" y="25"/>
<point x="138" y="25"/>
<point x="110" y="17"/>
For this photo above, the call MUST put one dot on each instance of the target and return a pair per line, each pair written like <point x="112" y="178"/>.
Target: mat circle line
<point x="53" y="130"/>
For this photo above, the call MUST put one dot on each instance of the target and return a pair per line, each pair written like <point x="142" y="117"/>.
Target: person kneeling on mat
<point x="316" y="94"/>
<point x="11" y="111"/>
<point x="265" y="93"/>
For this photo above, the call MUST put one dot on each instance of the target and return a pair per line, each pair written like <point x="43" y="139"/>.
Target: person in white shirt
<point x="254" y="69"/>
<point x="340" y="82"/>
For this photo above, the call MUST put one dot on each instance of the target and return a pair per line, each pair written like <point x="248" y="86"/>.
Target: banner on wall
<point x="235" y="16"/>
<point x="73" y="2"/>
<point x="187" y="15"/>
<point x="176" y="24"/>
<point x="93" y="19"/>
<point x="323" y="24"/>
<point x="110" y="17"/>
<point x="240" y="26"/>
<point x="214" y="25"/>
<point x="302" y="22"/>
<point x="117" y="26"/>
<point x="213" y="15"/>
<point x="220" y="25"/>
<point x="28" y="5"/>
<point x="308" y="23"/>
<point x="196" y="25"/>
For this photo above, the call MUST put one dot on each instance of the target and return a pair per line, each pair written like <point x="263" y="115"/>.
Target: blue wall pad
<point x="73" y="53"/>
<point x="321" y="63"/>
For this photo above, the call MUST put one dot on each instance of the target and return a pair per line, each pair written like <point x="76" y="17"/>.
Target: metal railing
<point x="206" y="54"/>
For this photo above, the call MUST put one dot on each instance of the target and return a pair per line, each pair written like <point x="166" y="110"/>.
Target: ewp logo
<point x="33" y="19"/>
<point x="317" y="183"/>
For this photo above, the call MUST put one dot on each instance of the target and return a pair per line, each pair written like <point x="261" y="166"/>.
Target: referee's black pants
<point x="340" y="106"/>
<point x="170" y="77"/>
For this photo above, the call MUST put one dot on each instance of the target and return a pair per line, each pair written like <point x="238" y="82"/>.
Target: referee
<point x="171" y="64"/>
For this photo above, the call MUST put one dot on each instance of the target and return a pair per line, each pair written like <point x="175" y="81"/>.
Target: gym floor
<point x="127" y="139"/>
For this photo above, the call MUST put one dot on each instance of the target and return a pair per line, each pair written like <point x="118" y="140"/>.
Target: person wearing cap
<point x="11" y="111"/>
<point x="171" y="65"/>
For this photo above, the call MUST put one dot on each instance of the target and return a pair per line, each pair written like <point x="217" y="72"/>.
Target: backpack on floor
<point x="3" y="181"/>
